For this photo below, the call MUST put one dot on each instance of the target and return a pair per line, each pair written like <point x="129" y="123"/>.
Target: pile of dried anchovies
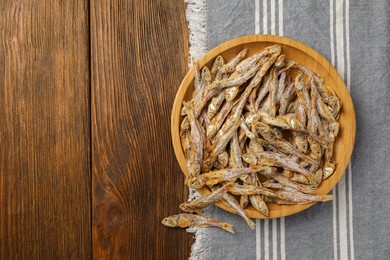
<point x="253" y="131"/>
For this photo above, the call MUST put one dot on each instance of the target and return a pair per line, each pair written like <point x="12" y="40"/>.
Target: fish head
<point x="185" y="124"/>
<point x="183" y="111"/>
<point x="277" y="132"/>
<point x="302" y="145"/>
<point x="277" y="49"/>
<point x="250" y="158"/>
<point x="296" y="124"/>
<point x="328" y="169"/>
<point x="211" y="130"/>
<point x="219" y="60"/>
<point x="250" y="118"/>
<point x="262" y="128"/>
<point x="319" y="175"/>
<point x="280" y="62"/>
<point x="313" y="144"/>
<point x="186" y="207"/>
<point x="227" y="68"/>
<point x="223" y="158"/>
<point x="206" y="75"/>
<point x="334" y="128"/>
<point x="197" y="182"/>
<point x="211" y="110"/>
<point x="170" y="221"/>
<point x="230" y="93"/>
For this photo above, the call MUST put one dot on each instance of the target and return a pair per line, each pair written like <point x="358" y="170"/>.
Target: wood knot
<point x="114" y="217"/>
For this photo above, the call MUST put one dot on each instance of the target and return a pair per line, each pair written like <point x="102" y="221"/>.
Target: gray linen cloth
<point x="355" y="37"/>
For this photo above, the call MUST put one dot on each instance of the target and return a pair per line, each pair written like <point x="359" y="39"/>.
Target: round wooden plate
<point x="302" y="54"/>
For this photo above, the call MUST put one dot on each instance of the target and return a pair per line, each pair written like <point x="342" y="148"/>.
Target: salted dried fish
<point x="274" y="84"/>
<point x="205" y="201"/>
<point x="288" y="94"/>
<point x="256" y="200"/>
<point x="195" y="220"/>
<point x="196" y="152"/>
<point x="296" y="197"/>
<point x="215" y="177"/>
<point x="218" y="63"/>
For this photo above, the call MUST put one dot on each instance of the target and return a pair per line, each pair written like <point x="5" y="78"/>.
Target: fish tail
<point x="228" y="228"/>
<point x="250" y="223"/>
<point x="327" y="198"/>
<point x="265" y="212"/>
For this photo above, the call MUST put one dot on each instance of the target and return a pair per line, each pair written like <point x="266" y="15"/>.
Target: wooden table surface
<point x="87" y="168"/>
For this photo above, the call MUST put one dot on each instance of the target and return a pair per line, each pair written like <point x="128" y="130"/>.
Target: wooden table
<point x="87" y="169"/>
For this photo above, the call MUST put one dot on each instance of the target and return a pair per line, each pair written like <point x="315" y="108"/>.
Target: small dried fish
<point x="185" y="142"/>
<point x="297" y="177"/>
<point x="323" y="110"/>
<point x="256" y="200"/>
<point x="296" y="197"/>
<point x="262" y="92"/>
<point x="314" y="123"/>
<point x="274" y="84"/>
<point x="192" y="220"/>
<point x="197" y="80"/>
<point x="303" y="95"/>
<point x="287" y="96"/>
<point x="235" y="160"/>
<point x="244" y="201"/>
<point x="215" y="177"/>
<point x="196" y="152"/>
<point x="334" y="105"/>
<point x="218" y="63"/>
<point x="205" y="201"/>
<point x="281" y="86"/>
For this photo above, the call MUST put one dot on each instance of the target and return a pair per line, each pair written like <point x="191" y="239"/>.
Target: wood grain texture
<point x="302" y="54"/>
<point x="138" y="51"/>
<point x="44" y="130"/>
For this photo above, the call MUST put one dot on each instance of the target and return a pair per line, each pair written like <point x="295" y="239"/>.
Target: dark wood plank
<point x="139" y="57"/>
<point x="44" y="130"/>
